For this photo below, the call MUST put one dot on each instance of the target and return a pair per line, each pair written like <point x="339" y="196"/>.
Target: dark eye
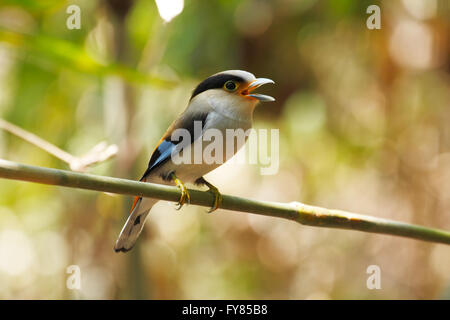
<point x="230" y="85"/>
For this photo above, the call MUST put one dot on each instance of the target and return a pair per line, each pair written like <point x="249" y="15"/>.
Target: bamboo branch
<point x="301" y="213"/>
<point x="100" y="152"/>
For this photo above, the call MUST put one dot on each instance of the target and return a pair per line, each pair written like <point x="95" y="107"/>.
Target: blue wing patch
<point x="164" y="150"/>
<point x="162" y="154"/>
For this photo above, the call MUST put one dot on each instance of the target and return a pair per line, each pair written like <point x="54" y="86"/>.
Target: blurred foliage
<point x="364" y="126"/>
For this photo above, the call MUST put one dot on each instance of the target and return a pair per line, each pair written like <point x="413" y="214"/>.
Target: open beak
<point x="256" y="84"/>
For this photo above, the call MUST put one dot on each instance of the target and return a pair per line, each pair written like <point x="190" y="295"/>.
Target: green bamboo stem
<point x="301" y="213"/>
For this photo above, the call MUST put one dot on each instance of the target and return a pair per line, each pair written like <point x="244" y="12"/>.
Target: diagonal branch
<point x="100" y="152"/>
<point x="301" y="213"/>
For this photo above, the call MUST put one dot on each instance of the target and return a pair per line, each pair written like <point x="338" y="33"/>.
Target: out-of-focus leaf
<point x="38" y="5"/>
<point x="66" y="54"/>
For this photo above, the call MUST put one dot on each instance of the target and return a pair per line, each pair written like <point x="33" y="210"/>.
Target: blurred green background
<point x="364" y="120"/>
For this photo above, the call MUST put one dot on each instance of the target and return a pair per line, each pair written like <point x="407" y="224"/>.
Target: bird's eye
<point x="230" y="85"/>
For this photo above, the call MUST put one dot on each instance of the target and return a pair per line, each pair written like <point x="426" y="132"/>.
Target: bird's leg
<point x="185" y="197"/>
<point x="213" y="190"/>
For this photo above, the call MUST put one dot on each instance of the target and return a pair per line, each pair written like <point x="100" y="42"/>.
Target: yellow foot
<point x="185" y="197"/>
<point x="217" y="197"/>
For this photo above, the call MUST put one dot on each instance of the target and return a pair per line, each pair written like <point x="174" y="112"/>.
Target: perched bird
<point x="222" y="101"/>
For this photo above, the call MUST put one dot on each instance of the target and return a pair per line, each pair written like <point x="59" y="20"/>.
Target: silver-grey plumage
<point x="219" y="109"/>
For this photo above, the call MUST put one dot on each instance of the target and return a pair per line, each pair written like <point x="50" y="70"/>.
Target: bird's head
<point x="232" y="88"/>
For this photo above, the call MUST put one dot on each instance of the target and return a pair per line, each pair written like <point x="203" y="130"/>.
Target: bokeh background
<point x="364" y="120"/>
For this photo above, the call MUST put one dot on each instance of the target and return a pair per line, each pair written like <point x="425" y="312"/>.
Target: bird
<point x="223" y="101"/>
